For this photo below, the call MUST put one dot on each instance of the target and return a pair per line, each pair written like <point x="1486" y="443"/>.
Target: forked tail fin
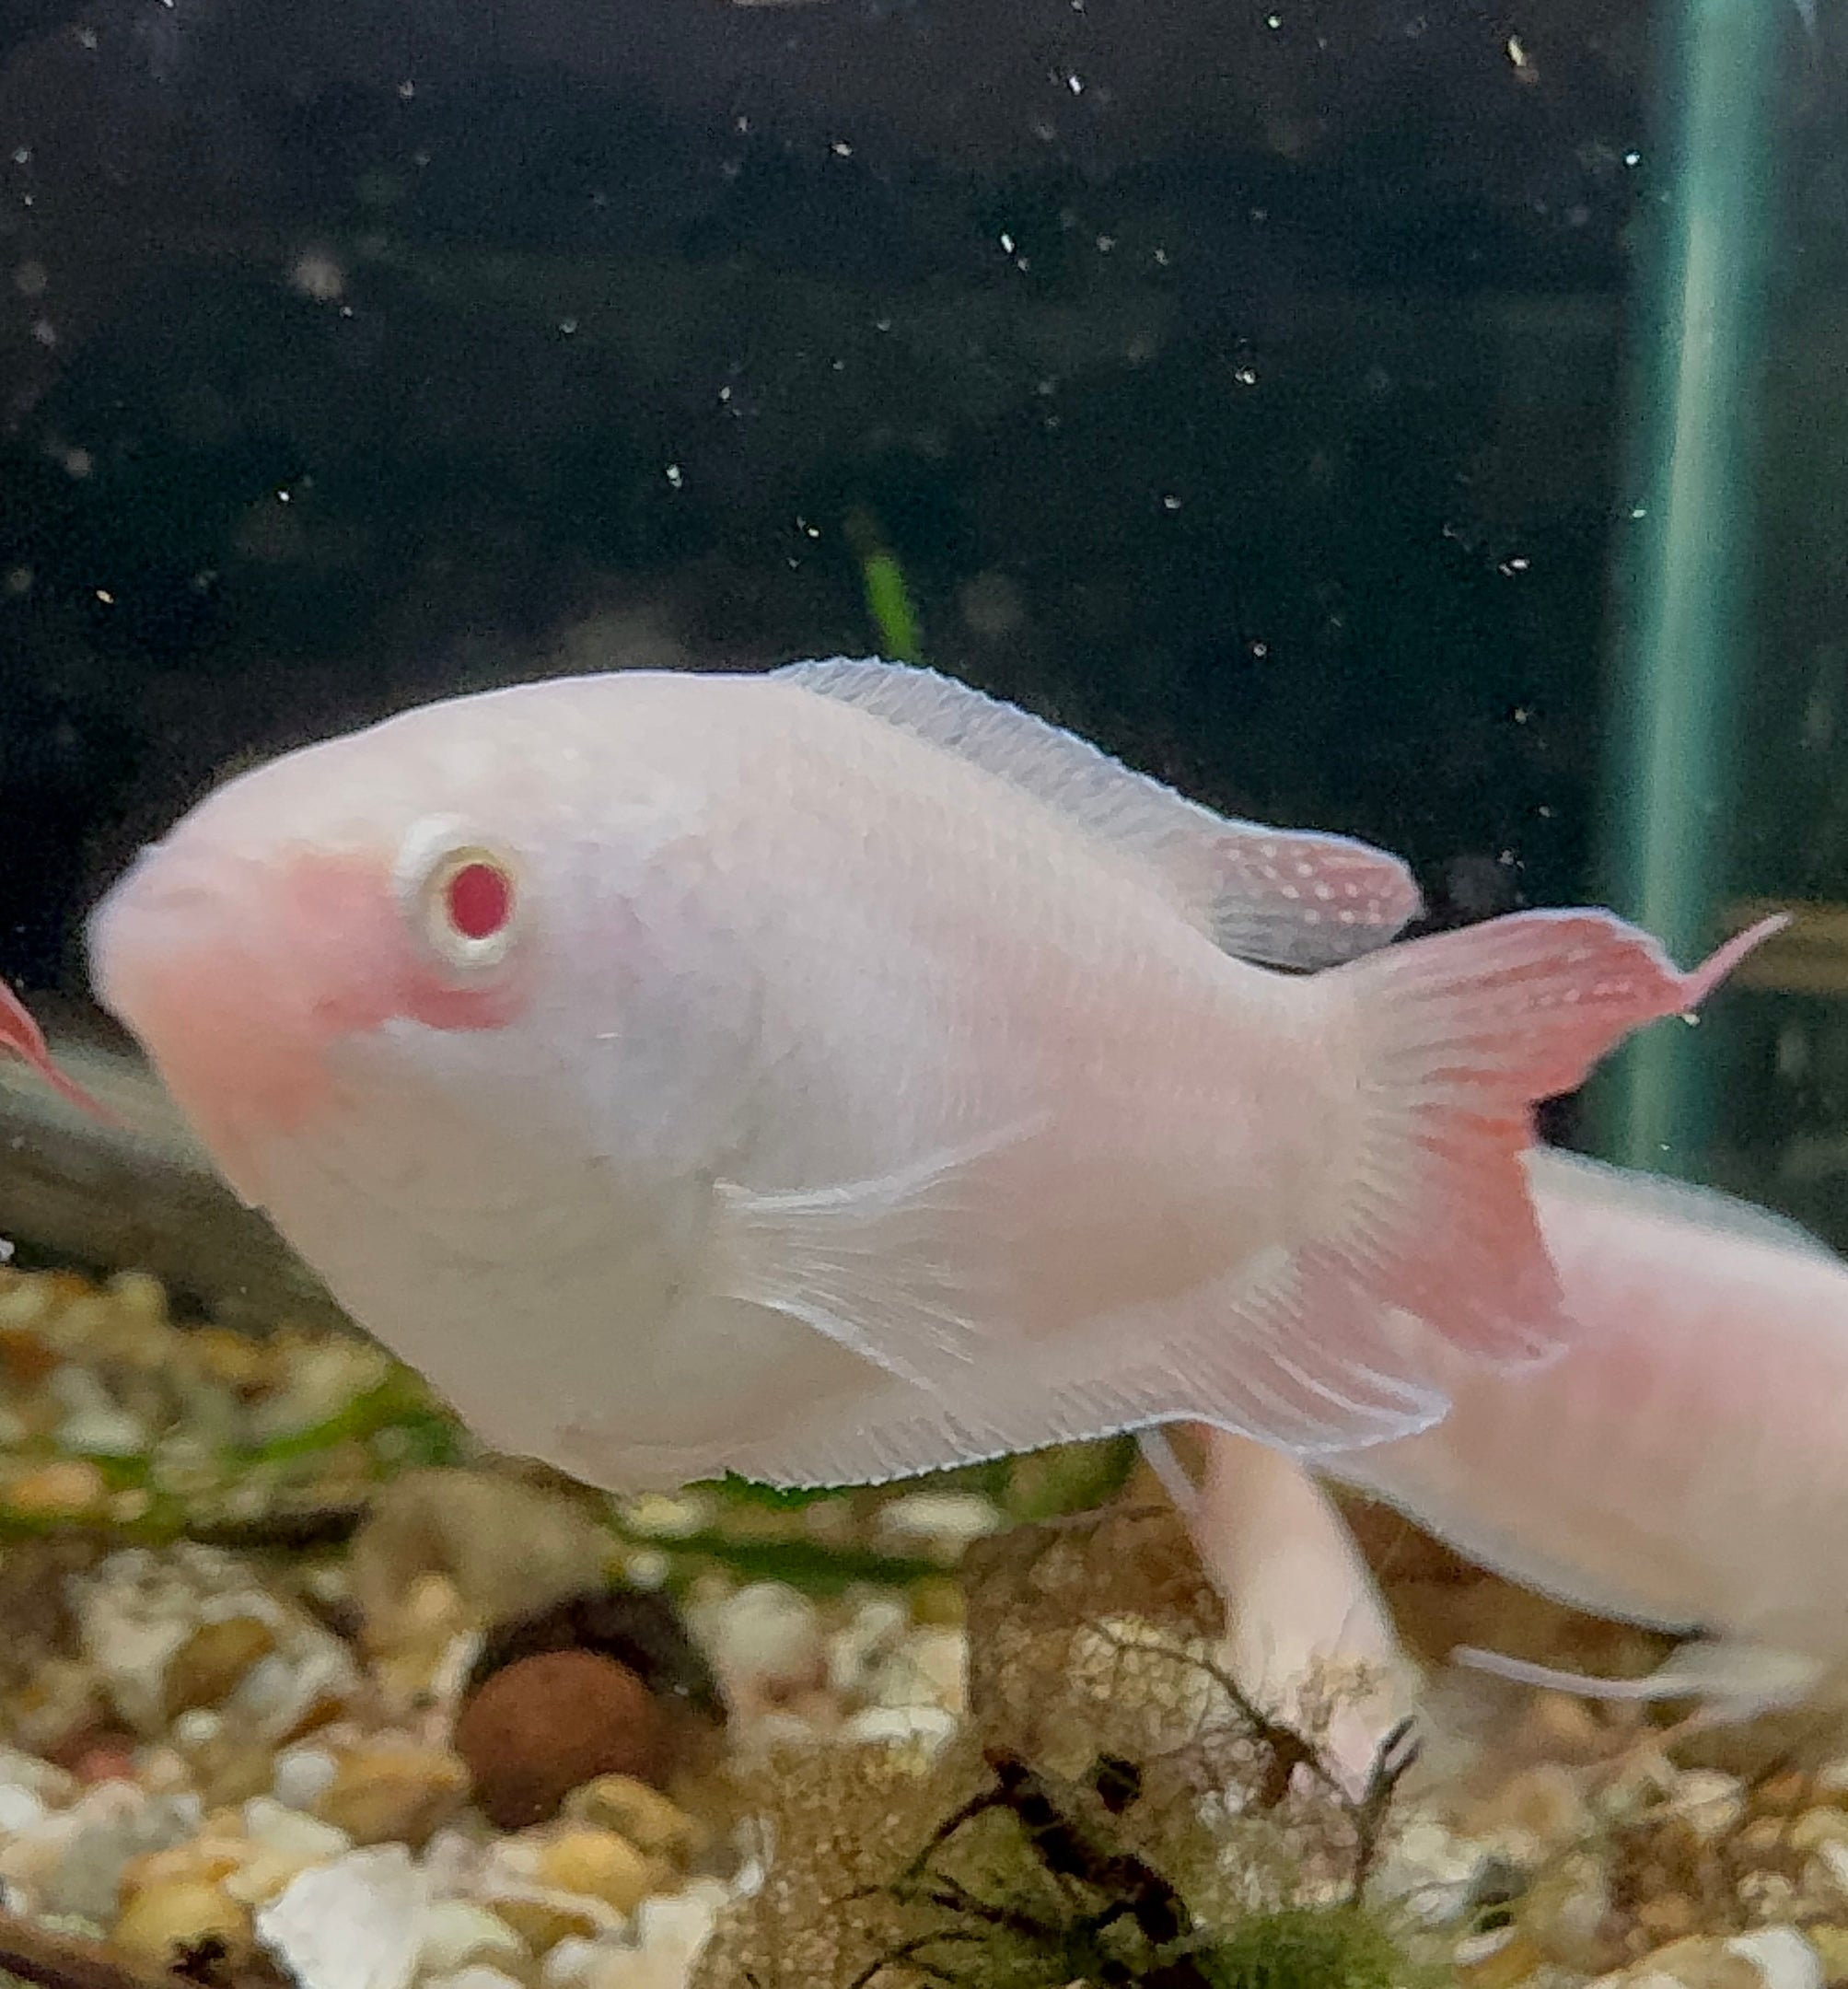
<point x="1466" y="1033"/>
<point x="1454" y="1039"/>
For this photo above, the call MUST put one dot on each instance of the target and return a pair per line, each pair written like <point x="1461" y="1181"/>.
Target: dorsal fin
<point x="1283" y="897"/>
<point x="1577" y="1177"/>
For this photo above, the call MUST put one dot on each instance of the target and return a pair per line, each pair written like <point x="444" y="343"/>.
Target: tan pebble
<point x="207" y="1669"/>
<point x="1815" y="1828"/>
<point x="265" y="1875"/>
<point x="161" y="1924"/>
<point x="1668" y="1917"/>
<point x="1831" y="1944"/>
<point x="1778" y="1795"/>
<point x="1513" y="1961"/>
<point x="600" y="1865"/>
<point x="542" y="1924"/>
<point x="1764" y="1837"/>
<point x="393" y="1794"/>
<point x="207" y="1860"/>
<point x="647" y="1818"/>
<point x="226" y="1357"/>
<point x="53" y="1491"/>
<point x="231" y="1768"/>
<point x="540" y="1728"/>
<point x="24" y="1358"/>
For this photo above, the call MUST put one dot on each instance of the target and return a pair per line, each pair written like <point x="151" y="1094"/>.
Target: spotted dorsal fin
<point x="1284" y="896"/>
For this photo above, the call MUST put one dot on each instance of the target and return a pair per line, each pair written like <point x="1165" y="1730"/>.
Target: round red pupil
<point x="479" y="898"/>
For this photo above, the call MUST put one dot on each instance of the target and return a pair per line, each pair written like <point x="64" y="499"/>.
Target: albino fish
<point x="835" y="1075"/>
<point x="1683" y="1465"/>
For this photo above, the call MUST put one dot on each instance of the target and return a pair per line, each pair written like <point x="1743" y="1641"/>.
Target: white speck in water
<point x="1075" y="84"/>
<point x="567" y="325"/>
<point x="1517" y="54"/>
<point x="842" y="149"/>
<point x="674" y="476"/>
<point x="407" y="89"/>
<point x="87" y="38"/>
<point x="1633" y="158"/>
<point x="1170" y="501"/>
<point x="105" y="597"/>
<point x="1007" y="241"/>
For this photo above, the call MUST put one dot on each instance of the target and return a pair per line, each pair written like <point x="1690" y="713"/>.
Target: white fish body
<point x="825" y="1093"/>
<point x="1684" y="1465"/>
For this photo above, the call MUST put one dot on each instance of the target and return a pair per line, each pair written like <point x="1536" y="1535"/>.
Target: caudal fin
<point x="23" y="1038"/>
<point x="1455" y="1038"/>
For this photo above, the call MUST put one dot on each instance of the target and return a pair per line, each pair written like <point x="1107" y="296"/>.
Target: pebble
<point x="766" y="1640"/>
<point x="387" y="1791"/>
<point x="139" y="1613"/>
<point x="355" y="1924"/>
<point x="539" y="1728"/>
<point x="1772" y="1958"/>
<point x="213" y="1661"/>
<point x="941" y="1523"/>
<point x="650" y="1820"/>
<point x="459" y="1932"/>
<point x="301" y="1774"/>
<point x="542" y="1921"/>
<point x="478" y="1975"/>
<point x="62" y="1491"/>
<point x="160" y="1923"/>
<point x="599" y="1865"/>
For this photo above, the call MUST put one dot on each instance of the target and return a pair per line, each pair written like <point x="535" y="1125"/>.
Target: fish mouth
<point x="182" y="955"/>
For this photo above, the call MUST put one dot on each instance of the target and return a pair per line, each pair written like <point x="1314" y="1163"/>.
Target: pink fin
<point x="1461" y="1035"/>
<point x="25" y="1039"/>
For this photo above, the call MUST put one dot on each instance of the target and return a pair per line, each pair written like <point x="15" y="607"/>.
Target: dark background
<point x="1246" y="385"/>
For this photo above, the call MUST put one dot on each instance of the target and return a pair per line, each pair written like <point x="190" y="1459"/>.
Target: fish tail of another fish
<point x="24" y="1039"/>
<point x="1460" y="1036"/>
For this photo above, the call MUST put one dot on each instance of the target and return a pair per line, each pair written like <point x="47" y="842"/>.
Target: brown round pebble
<point x="537" y="1729"/>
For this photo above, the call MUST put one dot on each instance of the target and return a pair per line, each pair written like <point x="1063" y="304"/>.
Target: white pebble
<point x="458" y="1933"/>
<point x="355" y="1924"/>
<point x="572" y="1963"/>
<point x="1782" y="1956"/>
<point x="767" y="1634"/>
<point x="101" y="1432"/>
<point x="291" y="1834"/>
<point x="895" y="1726"/>
<point x="477" y="1976"/>
<point x="946" y="1521"/>
<point x="301" y="1774"/>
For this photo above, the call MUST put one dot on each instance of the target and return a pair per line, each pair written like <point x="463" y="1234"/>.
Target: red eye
<point x="478" y="897"/>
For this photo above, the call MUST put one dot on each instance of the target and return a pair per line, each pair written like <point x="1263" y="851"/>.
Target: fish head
<point x="429" y="912"/>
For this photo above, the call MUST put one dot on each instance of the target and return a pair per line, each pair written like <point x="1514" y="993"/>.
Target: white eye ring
<point x="434" y="857"/>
